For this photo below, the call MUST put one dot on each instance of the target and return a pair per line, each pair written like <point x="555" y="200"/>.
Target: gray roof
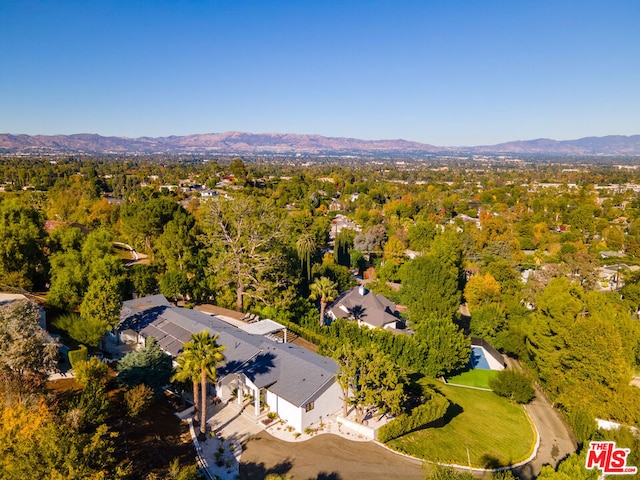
<point x="373" y="309"/>
<point x="288" y="370"/>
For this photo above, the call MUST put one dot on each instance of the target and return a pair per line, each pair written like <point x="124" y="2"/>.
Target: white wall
<point x="326" y="402"/>
<point x="287" y="411"/>
<point x="358" y="428"/>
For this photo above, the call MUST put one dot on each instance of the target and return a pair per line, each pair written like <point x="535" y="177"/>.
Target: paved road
<point x="556" y="442"/>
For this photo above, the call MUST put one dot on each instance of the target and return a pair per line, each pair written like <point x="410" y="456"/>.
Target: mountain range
<point x="240" y="143"/>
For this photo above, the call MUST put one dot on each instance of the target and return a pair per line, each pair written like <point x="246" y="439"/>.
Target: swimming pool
<point x="478" y="359"/>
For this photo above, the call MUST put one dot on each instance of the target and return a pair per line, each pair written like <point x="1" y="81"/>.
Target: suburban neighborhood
<point x="448" y="330"/>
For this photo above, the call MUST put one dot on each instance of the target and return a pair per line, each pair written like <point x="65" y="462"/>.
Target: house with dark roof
<point x="367" y="308"/>
<point x="299" y="385"/>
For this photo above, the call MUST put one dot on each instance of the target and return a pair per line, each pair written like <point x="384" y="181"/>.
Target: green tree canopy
<point x="244" y="237"/>
<point x="150" y="366"/>
<point x="22" y="259"/>
<point x="338" y="274"/>
<point x="445" y="346"/>
<point x="174" y="285"/>
<point x="143" y="220"/>
<point x="102" y="303"/>
<point x="368" y="377"/>
<point x="324" y="290"/>
<point x="430" y="287"/>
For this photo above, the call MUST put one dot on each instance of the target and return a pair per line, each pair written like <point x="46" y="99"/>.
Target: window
<point x="308" y="407"/>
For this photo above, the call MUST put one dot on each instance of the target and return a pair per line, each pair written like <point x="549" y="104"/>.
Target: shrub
<point x="428" y="412"/>
<point x="89" y="371"/>
<point x="91" y="407"/>
<point x="76" y="356"/>
<point x="138" y="399"/>
<point x="83" y="330"/>
<point x="514" y="385"/>
<point x="150" y="366"/>
<point x="176" y="472"/>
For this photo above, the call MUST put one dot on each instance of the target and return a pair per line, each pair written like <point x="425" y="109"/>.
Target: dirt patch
<point x="326" y="457"/>
<point x="149" y="442"/>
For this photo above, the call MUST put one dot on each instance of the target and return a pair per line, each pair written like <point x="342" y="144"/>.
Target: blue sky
<point x="447" y="72"/>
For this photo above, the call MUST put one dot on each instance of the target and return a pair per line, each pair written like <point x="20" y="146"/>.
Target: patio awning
<point x="263" y="327"/>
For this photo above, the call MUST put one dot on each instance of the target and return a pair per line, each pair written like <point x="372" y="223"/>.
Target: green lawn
<point x="491" y="429"/>
<point x="122" y="253"/>
<point x="474" y="378"/>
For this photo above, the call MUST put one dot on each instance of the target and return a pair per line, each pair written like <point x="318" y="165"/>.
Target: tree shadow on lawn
<point x="452" y="411"/>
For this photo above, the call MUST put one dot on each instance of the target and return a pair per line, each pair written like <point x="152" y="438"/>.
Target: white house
<point x="297" y="384"/>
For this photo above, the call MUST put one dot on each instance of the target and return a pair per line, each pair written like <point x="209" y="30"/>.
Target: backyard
<point x="475" y="377"/>
<point x="480" y="428"/>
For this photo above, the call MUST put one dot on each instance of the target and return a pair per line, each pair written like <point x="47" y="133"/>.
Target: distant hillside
<point x="228" y="143"/>
<point x="288" y="144"/>
<point x="609" y="145"/>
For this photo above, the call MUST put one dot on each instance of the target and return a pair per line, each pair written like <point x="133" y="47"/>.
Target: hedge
<point x="79" y="355"/>
<point x="428" y="412"/>
<point x="303" y="332"/>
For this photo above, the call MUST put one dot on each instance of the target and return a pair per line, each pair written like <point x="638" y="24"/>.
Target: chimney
<point x="362" y="290"/>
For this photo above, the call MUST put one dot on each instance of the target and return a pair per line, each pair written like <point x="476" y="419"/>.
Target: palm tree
<point x="203" y="354"/>
<point x="326" y="290"/>
<point x="188" y="371"/>
<point x="306" y="246"/>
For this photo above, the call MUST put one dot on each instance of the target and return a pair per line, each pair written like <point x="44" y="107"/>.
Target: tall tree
<point x="369" y="377"/>
<point x="371" y="241"/>
<point x="421" y="235"/>
<point x="343" y="243"/>
<point x="26" y="351"/>
<point x="22" y="260"/>
<point x="150" y="366"/>
<point x="238" y="169"/>
<point x="244" y="237"/>
<point x="336" y="273"/>
<point x="174" y="285"/>
<point x="325" y="290"/>
<point x="68" y="280"/>
<point x="480" y="290"/>
<point x="176" y="246"/>
<point x="102" y="303"/>
<point x="188" y="370"/>
<point x="445" y="347"/>
<point x="143" y="220"/>
<point x="306" y="246"/>
<point x="204" y="353"/>
<point x="430" y="286"/>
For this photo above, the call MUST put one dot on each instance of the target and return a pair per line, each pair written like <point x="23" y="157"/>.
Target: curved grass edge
<point x="456" y="461"/>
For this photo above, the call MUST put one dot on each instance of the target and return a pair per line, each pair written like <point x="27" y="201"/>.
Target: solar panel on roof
<point x="152" y="331"/>
<point x="174" y="347"/>
<point x="176" y="330"/>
